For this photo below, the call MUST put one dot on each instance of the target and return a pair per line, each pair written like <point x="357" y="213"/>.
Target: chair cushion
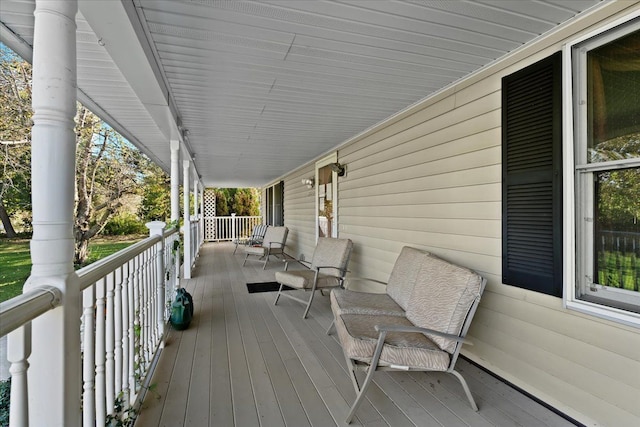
<point x="276" y="235"/>
<point x="344" y="301"/>
<point x="330" y="252"/>
<point x="358" y="337"/>
<point x="255" y="250"/>
<point x="303" y="279"/>
<point x="404" y="274"/>
<point x="442" y="297"/>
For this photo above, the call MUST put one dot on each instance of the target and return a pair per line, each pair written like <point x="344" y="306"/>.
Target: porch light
<point x="308" y="182"/>
<point x="341" y="170"/>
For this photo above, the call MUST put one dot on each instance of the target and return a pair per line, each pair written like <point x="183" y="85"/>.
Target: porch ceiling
<point x="256" y="89"/>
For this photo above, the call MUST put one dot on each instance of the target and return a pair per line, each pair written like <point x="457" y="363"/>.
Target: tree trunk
<point x="6" y="222"/>
<point x="82" y="250"/>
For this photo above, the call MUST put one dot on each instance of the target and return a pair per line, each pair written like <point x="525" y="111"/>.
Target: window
<point x="532" y="178"/>
<point x="275" y="204"/>
<point x="605" y="101"/>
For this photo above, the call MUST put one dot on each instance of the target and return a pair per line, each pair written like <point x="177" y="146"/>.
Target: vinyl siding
<point x="430" y="177"/>
<point x="299" y="214"/>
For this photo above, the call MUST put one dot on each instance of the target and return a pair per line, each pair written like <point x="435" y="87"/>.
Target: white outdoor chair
<point x="273" y="243"/>
<point x="256" y="238"/>
<point x="327" y="269"/>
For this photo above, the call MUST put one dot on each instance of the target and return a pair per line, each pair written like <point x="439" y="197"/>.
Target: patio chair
<point x="257" y="235"/>
<point x="273" y="243"/>
<point x="427" y="338"/>
<point x="327" y="269"/>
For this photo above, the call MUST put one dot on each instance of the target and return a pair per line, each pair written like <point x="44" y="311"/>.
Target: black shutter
<point x="532" y="177"/>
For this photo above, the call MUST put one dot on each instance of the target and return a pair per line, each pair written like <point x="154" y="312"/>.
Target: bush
<point x="125" y="224"/>
<point x="5" y="397"/>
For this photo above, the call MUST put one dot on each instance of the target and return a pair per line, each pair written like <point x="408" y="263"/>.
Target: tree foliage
<point x="15" y="137"/>
<point x="241" y="201"/>
<point x="156" y="195"/>
<point x="619" y="190"/>
<point x="110" y="172"/>
<point x="108" y="169"/>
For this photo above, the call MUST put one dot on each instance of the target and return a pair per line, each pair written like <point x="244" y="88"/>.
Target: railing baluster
<point x="117" y="327"/>
<point x="148" y="312"/>
<point x="18" y="352"/>
<point x="151" y="318"/>
<point x="88" y="357"/>
<point x="109" y="346"/>
<point x="122" y="325"/>
<point x="101" y="410"/>
<point x="160" y="291"/>
<point x="133" y="322"/>
<point x="126" y="321"/>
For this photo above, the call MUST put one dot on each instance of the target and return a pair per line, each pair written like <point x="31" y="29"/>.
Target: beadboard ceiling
<point x="255" y="89"/>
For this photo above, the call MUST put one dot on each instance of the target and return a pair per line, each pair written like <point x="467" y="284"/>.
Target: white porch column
<point x="187" y="220"/>
<point x="175" y="180"/>
<point x="54" y="374"/>
<point x="201" y="214"/>
<point x="196" y="194"/>
<point x="196" y="219"/>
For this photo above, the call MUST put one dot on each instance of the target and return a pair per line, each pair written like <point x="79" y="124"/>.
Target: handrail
<point x="170" y="231"/>
<point x="27" y="306"/>
<point x="92" y="273"/>
<point x="23" y="308"/>
<point x="122" y="323"/>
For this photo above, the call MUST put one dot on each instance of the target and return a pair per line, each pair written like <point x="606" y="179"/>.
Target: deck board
<point x="245" y="362"/>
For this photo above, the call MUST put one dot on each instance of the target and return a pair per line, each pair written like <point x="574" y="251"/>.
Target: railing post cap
<point x="156" y="227"/>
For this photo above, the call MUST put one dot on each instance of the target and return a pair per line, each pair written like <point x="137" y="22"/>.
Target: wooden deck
<point x="245" y="362"/>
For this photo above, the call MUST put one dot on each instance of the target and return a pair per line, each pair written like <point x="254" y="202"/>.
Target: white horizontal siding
<point x="299" y="214"/>
<point x="431" y="178"/>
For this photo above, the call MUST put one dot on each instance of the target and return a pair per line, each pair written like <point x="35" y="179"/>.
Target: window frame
<point x="578" y="182"/>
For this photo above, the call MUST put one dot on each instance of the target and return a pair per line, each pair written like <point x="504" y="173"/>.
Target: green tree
<point x="15" y="137"/>
<point x="107" y="171"/>
<point x="246" y="202"/>
<point x="222" y="202"/>
<point x="156" y="195"/>
<point x="241" y="201"/>
<point x="619" y="190"/>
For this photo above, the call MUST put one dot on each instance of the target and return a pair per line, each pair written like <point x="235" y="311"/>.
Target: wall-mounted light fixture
<point x="341" y="170"/>
<point x="308" y="182"/>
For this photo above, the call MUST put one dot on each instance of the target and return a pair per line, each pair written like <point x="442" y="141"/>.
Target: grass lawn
<point x="15" y="260"/>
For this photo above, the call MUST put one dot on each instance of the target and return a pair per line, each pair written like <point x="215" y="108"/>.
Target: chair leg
<point x="266" y="259"/>
<point x="245" y="259"/>
<point x="332" y="327"/>
<point x="306" y="311"/>
<point x="234" y="251"/>
<point x="361" y="393"/>
<point x="278" y="296"/>
<point x="373" y="365"/>
<point x="313" y="292"/>
<point x="466" y="389"/>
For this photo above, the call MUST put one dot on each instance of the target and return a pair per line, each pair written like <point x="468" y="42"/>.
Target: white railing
<point x="125" y="300"/>
<point x="220" y="228"/>
<point x="195" y="238"/>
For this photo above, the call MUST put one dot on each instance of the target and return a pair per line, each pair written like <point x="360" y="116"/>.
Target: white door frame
<point x="332" y="158"/>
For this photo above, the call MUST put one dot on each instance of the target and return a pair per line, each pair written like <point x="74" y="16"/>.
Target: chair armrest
<point x="367" y="279"/>
<point x="343" y="271"/>
<point x="401" y="328"/>
<point x="352" y="281"/>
